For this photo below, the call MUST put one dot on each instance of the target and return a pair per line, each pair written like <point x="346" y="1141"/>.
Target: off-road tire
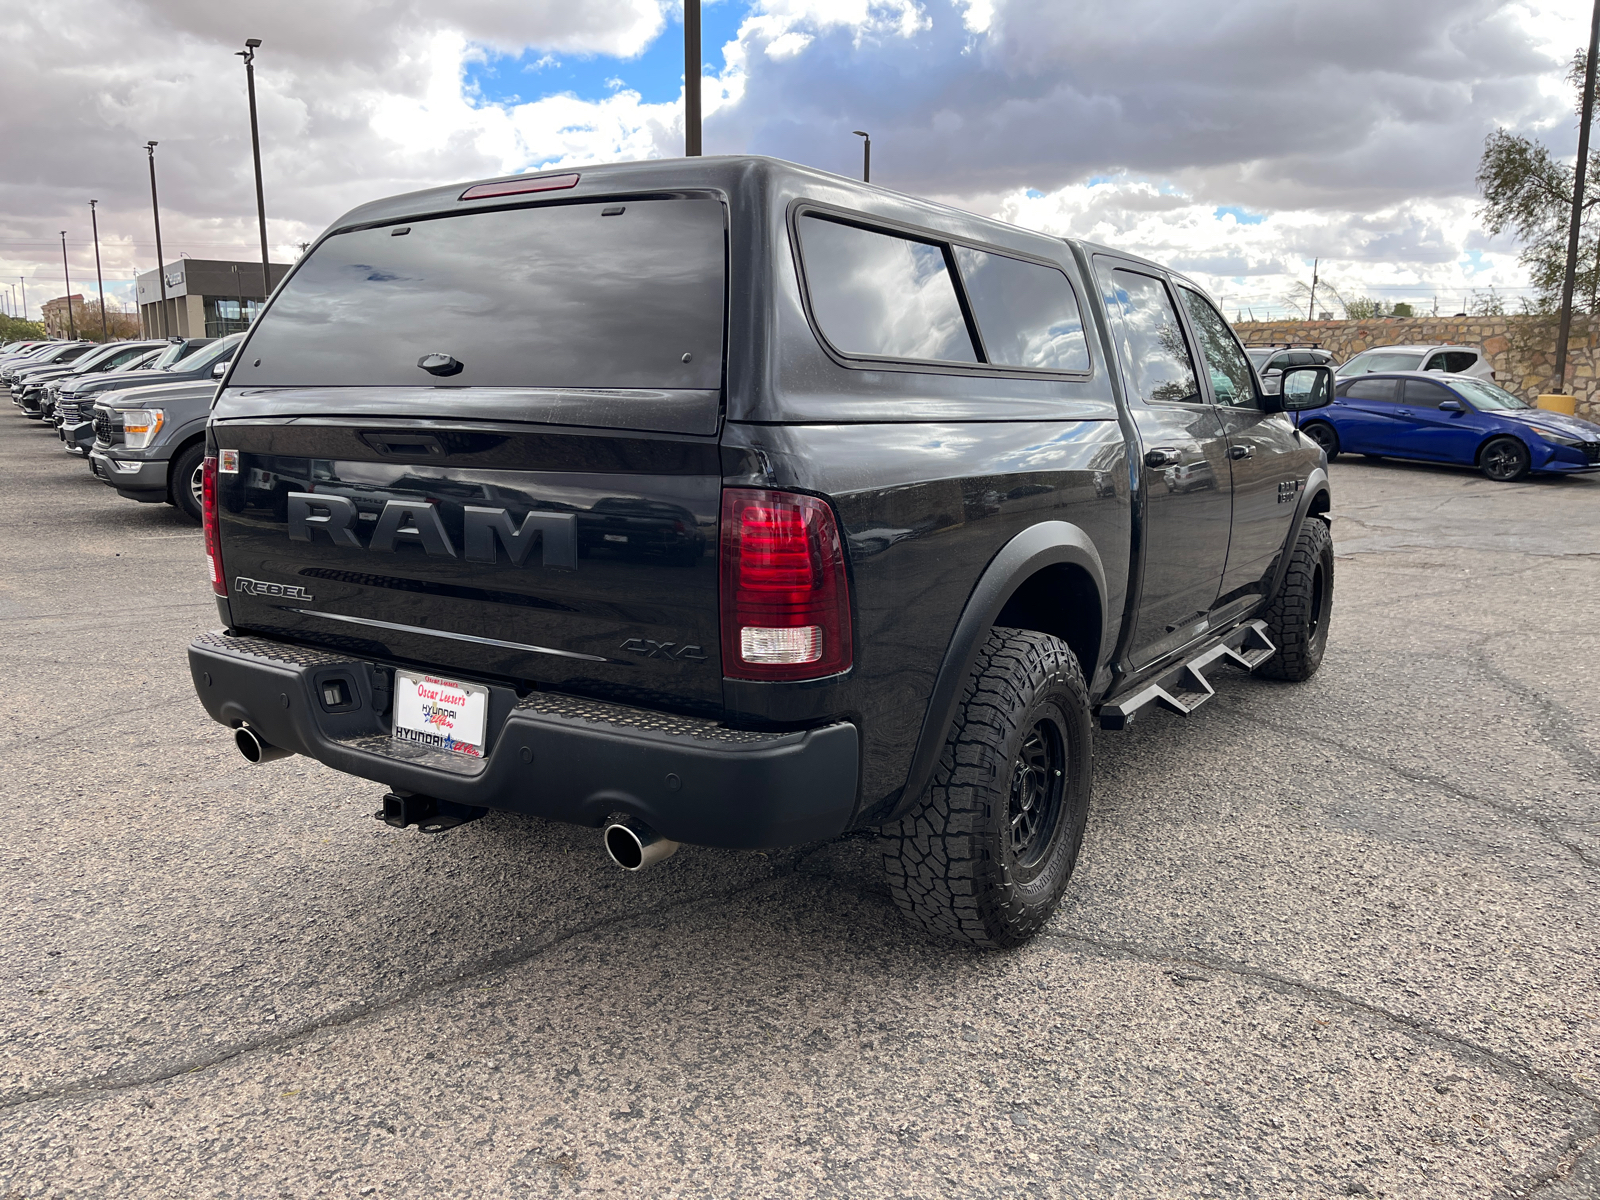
<point x="179" y="476"/>
<point x="951" y="861"/>
<point x="1297" y="620"/>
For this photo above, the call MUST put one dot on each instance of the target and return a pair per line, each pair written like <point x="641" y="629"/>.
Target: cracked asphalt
<point x="1332" y="939"/>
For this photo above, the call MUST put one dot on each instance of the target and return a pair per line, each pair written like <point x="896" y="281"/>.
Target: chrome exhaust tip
<point x="633" y="845"/>
<point x="254" y="749"/>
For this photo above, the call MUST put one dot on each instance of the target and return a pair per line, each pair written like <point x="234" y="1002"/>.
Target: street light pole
<point x="72" y="326"/>
<point x="691" y="78"/>
<point x="99" y="280"/>
<point x="23" y="280"/>
<point x="249" y="56"/>
<point x="1577" y="205"/>
<point x="866" y="154"/>
<point x="161" y="262"/>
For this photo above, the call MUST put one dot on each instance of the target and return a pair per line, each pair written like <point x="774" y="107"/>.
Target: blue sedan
<point x="1453" y="419"/>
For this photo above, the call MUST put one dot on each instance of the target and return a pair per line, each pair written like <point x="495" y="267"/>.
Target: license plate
<point x="440" y="714"/>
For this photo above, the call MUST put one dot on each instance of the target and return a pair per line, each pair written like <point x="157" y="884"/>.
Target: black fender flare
<point x="1316" y="484"/>
<point x="1046" y="544"/>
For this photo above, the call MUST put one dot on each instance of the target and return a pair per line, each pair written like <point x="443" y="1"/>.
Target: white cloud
<point x="1358" y="148"/>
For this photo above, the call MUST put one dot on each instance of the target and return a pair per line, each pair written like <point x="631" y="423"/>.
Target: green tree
<point x="15" y="329"/>
<point x="1528" y="191"/>
<point x="1364" y="308"/>
<point x="1402" y="309"/>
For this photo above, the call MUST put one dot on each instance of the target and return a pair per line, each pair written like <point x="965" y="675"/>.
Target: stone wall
<point x="1522" y="350"/>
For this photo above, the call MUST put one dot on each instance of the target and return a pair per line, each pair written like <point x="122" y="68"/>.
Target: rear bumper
<point x="548" y="755"/>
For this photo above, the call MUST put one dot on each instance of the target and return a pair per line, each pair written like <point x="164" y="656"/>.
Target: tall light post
<point x="161" y="261"/>
<point x="23" y="280"/>
<point x="72" y="327"/>
<point x="99" y="280"/>
<point x="249" y="56"/>
<point x="1570" y="279"/>
<point x="866" y="154"/>
<point x="691" y="78"/>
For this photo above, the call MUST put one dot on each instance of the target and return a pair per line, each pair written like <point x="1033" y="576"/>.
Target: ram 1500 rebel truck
<point x="728" y="502"/>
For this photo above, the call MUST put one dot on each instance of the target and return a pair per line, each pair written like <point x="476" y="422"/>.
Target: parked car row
<point x="135" y="410"/>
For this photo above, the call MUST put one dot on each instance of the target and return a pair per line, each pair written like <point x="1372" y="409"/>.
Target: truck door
<point x="1188" y="492"/>
<point x="1261" y="451"/>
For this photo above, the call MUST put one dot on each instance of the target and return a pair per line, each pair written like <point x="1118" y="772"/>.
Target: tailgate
<point x="543" y="507"/>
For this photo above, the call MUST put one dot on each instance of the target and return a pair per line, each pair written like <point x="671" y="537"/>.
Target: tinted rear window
<point x="1371" y="389"/>
<point x="882" y="294"/>
<point x="1028" y="314"/>
<point x="560" y="296"/>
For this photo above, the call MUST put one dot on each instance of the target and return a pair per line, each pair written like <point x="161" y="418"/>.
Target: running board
<point x="1184" y="688"/>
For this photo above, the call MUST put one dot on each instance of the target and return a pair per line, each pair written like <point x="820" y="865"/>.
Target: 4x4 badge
<point x="670" y="650"/>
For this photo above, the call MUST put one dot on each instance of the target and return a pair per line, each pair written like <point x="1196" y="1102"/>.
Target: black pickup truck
<point x="728" y="502"/>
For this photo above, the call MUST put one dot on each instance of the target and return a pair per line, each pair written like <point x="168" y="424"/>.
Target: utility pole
<point x="72" y="327"/>
<point x="691" y="78"/>
<point x="99" y="280"/>
<point x="249" y="56"/>
<point x="161" y="262"/>
<point x="23" y="280"/>
<point x="1577" y="205"/>
<point x="1317" y="262"/>
<point x="866" y="154"/>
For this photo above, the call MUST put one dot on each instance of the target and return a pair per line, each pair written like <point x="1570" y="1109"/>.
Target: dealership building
<point x="205" y="297"/>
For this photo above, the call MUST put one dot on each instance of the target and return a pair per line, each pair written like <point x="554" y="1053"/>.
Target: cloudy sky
<point x="1235" y="139"/>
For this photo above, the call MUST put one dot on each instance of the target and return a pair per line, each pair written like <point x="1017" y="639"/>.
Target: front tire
<point x="183" y="482"/>
<point x="986" y="854"/>
<point x="1505" y="460"/>
<point x="1297" y="619"/>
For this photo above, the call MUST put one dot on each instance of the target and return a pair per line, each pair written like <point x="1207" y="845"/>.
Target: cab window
<point x="1226" y="364"/>
<point x="1155" y="355"/>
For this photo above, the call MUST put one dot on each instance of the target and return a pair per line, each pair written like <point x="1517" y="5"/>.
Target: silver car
<point x="1453" y="360"/>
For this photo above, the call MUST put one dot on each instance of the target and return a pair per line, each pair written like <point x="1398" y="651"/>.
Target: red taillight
<point x="208" y="508"/>
<point x="785" y="598"/>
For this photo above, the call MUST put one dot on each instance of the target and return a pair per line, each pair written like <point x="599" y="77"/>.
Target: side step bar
<point x="1184" y="688"/>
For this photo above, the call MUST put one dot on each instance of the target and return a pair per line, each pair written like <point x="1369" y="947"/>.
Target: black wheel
<point x="1325" y="436"/>
<point x="1504" y="460"/>
<point x="183" y="482"/>
<point x="985" y="855"/>
<point x="1297" y="619"/>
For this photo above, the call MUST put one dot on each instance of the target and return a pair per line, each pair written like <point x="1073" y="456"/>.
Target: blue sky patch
<point x="1239" y="215"/>
<point x="657" y="74"/>
<point x="1034" y="194"/>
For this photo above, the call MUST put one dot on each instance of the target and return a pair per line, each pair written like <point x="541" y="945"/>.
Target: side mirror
<point x="221" y="369"/>
<point x="1302" y="388"/>
<point x="1454" y="406"/>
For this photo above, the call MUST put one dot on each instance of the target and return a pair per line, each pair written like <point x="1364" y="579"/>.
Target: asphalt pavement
<point x="1339" y="938"/>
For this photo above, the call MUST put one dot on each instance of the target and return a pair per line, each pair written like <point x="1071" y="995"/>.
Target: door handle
<point x="1161" y="456"/>
<point x="1238" y="452"/>
<point x="1402" y="412"/>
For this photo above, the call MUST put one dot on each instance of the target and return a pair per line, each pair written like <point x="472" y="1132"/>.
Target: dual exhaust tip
<point x="629" y="842"/>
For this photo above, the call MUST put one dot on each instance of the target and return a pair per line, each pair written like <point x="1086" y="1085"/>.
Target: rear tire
<point x="1505" y="460"/>
<point x="985" y="855"/>
<point x="183" y="482"/>
<point x="1325" y="436"/>
<point x="1297" y="619"/>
